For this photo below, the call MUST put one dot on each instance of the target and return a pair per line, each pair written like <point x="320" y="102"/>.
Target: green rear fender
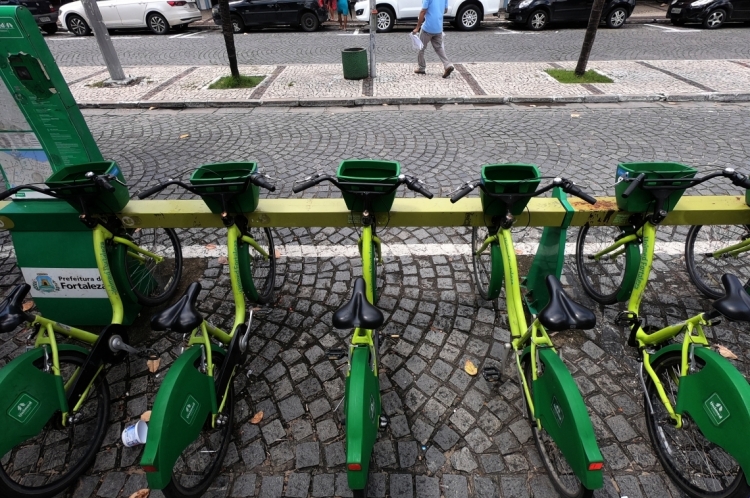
<point x="362" y="415"/>
<point x="182" y="406"/>
<point x="717" y="399"/>
<point x="246" y="271"/>
<point x="30" y="397"/>
<point x="497" y="275"/>
<point x="562" y="411"/>
<point x="632" y="262"/>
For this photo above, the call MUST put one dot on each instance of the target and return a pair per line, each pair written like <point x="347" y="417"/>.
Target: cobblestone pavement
<point x="490" y="44"/>
<point x="450" y="434"/>
<point x="318" y="82"/>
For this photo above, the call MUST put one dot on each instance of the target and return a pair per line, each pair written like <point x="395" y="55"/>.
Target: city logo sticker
<point x="716" y="409"/>
<point x="557" y="411"/>
<point x="23" y="408"/>
<point x="372" y="408"/>
<point x="44" y="283"/>
<point x="190" y="410"/>
<point x="8" y="28"/>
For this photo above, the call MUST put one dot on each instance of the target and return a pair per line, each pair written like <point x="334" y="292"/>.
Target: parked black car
<point x="711" y="13"/>
<point x="42" y="10"/>
<point x="305" y="14"/>
<point x="537" y="14"/>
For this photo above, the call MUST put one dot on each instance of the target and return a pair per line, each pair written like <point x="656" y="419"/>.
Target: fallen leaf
<point x="210" y="247"/>
<point x="278" y="253"/>
<point x="141" y="493"/>
<point x="151" y="108"/>
<point x="257" y="418"/>
<point x="575" y="115"/>
<point x="27" y="305"/>
<point x="726" y="353"/>
<point x="146" y="416"/>
<point x="223" y="260"/>
<point x="185" y="135"/>
<point x="470" y="368"/>
<point x="153" y="365"/>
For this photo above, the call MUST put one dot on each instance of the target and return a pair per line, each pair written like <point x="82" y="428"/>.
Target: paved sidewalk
<point x="476" y="83"/>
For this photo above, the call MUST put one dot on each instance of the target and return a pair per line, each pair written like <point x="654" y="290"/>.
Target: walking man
<point x="431" y="23"/>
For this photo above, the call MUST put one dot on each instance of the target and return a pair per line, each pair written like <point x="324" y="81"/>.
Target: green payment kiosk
<point x="43" y="132"/>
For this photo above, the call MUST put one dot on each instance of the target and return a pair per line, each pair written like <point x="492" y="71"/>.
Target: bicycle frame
<point x="717" y="388"/>
<point x="557" y="405"/>
<point x="188" y="386"/>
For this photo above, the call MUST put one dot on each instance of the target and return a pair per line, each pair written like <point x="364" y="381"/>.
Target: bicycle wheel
<point x="50" y="462"/>
<point x="700" y="468"/>
<point x="200" y="463"/>
<point x="704" y="269"/>
<point x="601" y="279"/>
<point x="482" y="264"/>
<point x="559" y="472"/>
<point x="263" y="270"/>
<point x="153" y="283"/>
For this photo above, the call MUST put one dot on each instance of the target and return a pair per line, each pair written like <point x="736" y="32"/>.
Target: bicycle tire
<point x="263" y="271"/>
<point x="481" y="264"/>
<point x="378" y="278"/>
<point x="601" y="280"/>
<point x="153" y="283"/>
<point x="190" y="485"/>
<point x="90" y="441"/>
<point x="660" y="430"/>
<point x="568" y="486"/>
<point x="706" y="271"/>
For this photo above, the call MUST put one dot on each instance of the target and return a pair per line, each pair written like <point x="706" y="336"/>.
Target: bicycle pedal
<point x="384" y="421"/>
<point x="626" y="319"/>
<point x="336" y="353"/>
<point x="491" y="374"/>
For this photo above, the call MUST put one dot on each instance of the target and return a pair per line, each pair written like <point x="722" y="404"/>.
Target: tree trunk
<point x="228" y="32"/>
<point x="588" y="40"/>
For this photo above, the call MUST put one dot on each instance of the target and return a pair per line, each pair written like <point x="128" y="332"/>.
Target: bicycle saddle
<point x="182" y="316"/>
<point x="735" y="304"/>
<point x="358" y="312"/>
<point x="562" y="313"/>
<point x="11" y="310"/>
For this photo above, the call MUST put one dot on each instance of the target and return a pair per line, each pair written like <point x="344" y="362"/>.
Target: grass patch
<point x="568" y="76"/>
<point x="228" y="82"/>
<point x="96" y="84"/>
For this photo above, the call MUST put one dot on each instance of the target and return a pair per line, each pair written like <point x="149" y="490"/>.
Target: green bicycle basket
<point x="98" y="200"/>
<point x="509" y="178"/>
<point x="639" y="200"/>
<point x="354" y="172"/>
<point x="205" y="180"/>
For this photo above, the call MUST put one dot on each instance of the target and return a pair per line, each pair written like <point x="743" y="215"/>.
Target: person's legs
<point x="424" y="37"/>
<point x="437" y="44"/>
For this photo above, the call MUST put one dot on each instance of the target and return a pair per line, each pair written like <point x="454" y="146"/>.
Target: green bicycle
<point x="362" y="408"/>
<point x="713" y="250"/>
<point x="55" y="405"/>
<point x="563" y="432"/>
<point x="697" y="403"/>
<point x="193" y="412"/>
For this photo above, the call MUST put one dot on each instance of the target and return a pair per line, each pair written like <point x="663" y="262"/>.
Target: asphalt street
<point x="489" y="44"/>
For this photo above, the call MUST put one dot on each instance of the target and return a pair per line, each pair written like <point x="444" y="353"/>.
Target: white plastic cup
<point x="135" y="434"/>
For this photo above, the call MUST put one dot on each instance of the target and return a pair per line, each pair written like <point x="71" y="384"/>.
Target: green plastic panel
<point x="562" y="411"/>
<point x="30" y="397"/>
<point x="632" y="263"/>
<point x="246" y="271"/>
<point x="497" y="276"/>
<point x="185" y="400"/>
<point x="362" y="415"/>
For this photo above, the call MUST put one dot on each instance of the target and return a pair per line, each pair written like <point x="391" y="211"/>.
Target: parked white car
<point x="463" y="14"/>
<point x="157" y="15"/>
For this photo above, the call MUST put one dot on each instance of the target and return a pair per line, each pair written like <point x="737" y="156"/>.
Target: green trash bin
<point x="354" y="61"/>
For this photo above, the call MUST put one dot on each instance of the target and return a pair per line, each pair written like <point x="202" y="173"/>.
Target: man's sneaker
<point x="448" y="71"/>
<point x="419" y="70"/>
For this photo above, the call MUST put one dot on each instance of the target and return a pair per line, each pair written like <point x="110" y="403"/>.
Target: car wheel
<point x="616" y="18"/>
<point x="677" y="22"/>
<point x="157" y="24"/>
<point x="309" y="22"/>
<point x="77" y="25"/>
<point x="238" y="26"/>
<point x="50" y="29"/>
<point x="715" y="19"/>
<point x="538" y="20"/>
<point x="468" y="18"/>
<point x="385" y="20"/>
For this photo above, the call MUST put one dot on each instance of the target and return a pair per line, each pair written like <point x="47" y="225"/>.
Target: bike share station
<point x="44" y="138"/>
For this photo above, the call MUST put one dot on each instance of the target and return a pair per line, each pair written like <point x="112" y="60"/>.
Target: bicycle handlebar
<point x="567" y="185"/>
<point x="633" y="185"/>
<point x="101" y="181"/>
<point x="254" y="178"/>
<point x="411" y="182"/>
<point x="737" y="178"/>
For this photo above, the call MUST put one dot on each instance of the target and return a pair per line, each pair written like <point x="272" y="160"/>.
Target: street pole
<point x="105" y="43"/>
<point x="373" y="28"/>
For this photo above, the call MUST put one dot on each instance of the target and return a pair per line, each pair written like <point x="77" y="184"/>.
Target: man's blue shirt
<point x="433" y="19"/>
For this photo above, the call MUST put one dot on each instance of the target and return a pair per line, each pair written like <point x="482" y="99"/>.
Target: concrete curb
<point x="373" y="101"/>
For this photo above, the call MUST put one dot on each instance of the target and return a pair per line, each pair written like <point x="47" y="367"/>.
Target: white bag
<point x="416" y="43"/>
